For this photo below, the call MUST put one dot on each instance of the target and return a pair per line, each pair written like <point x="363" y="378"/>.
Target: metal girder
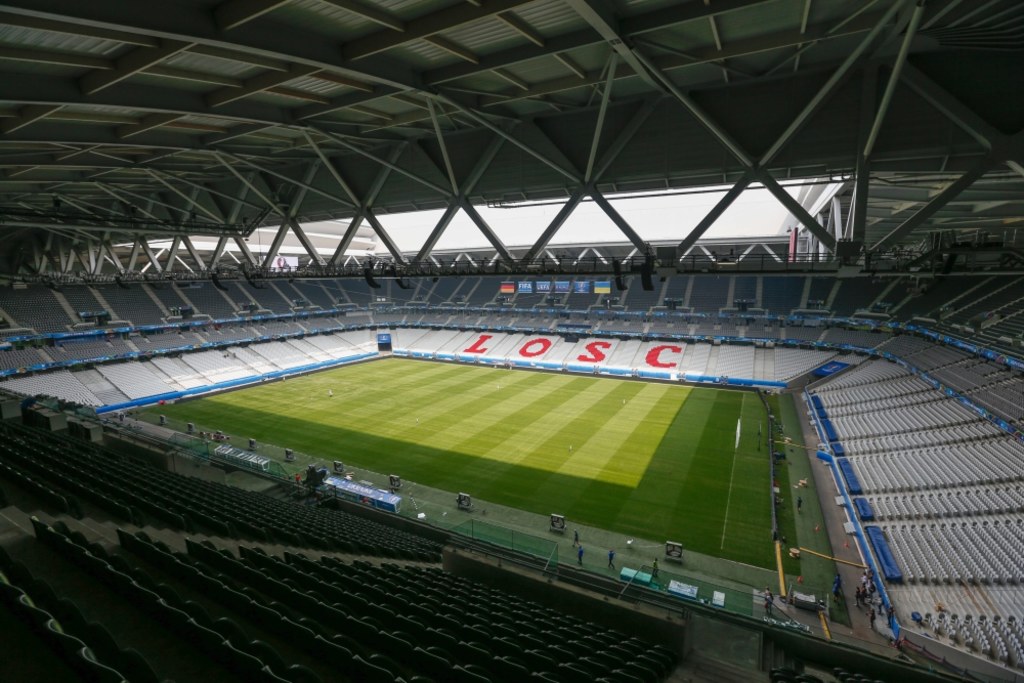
<point x="437" y="231"/>
<point x="172" y="253"/>
<point x="487" y="231"/>
<point x="133" y="255"/>
<point x="147" y="123"/>
<point x="275" y="244"/>
<point x="233" y="13"/>
<point x="426" y="26"/>
<point x="444" y="148"/>
<point x="304" y="186"/>
<point x="826" y="90"/>
<point x="894" y="78"/>
<point x="555" y="46"/>
<point x="218" y="252"/>
<point x="27" y="115"/>
<point x="246" y="252"/>
<point x="369" y="13"/>
<point x="305" y="241"/>
<point x="443" y="191"/>
<point x="709" y="124"/>
<point x="599" y="15"/>
<point x="599" y="126"/>
<point x="258" y="83"/>
<point x="482" y="120"/>
<point x="191" y="200"/>
<point x="715" y="213"/>
<point x="620" y="222"/>
<point x="130" y="64"/>
<point x="248" y="183"/>
<point x="936" y="203"/>
<point x="797" y="209"/>
<point x="966" y="119"/>
<point x="329" y="165"/>
<point x="190" y="248"/>
<point x="365" y="204"/>
<point x="389" y="244"/>
<point x="857" y="215"/>
<point x="557" y="222"/>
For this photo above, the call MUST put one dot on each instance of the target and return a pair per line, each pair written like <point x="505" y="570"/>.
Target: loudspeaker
<point x="620" y="284"/>
<point x="252" y="444"/>
<point x="674" y="551"/>
<point x="339" y="467"/>
<point x="558" y="523"/>
<point x="395" y="481"/>
<point x="368" y="274"/>
<point x="289" y="455"/>
<point x="646" y="271"/>
<point x="216" y="283"/>
<point x="464" y="501"/>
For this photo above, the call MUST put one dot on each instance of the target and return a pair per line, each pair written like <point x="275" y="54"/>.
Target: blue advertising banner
<point x="562" y="286"/>
<point x="581" y="287"/>
<point x="830" y="368"/>
<point x="543" y="286"/>
<point x="525" y="287"/>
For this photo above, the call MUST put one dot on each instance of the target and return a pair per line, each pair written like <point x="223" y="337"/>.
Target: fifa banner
<point x="581" y="287"/>
<point x="525" y="288"/>
<point x="562" y="286"/>
<point x="507" y="288"/>
<point x="543" y="287"/>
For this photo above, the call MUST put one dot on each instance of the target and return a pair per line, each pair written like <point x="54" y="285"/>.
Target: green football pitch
<point x="656" y="461"/>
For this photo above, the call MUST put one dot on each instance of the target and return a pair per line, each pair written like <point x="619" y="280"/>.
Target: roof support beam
<point x="258" y="83"/>
<point x="389" y="244"/>
<point x="715" y="213"/>
<point x="365" y="204"/>
<point x="426" y="26"/>
<point x="27" y="115"/>
<point x="557" y="222"/>
<point x="190" y="200"/>
<point x="233" y="13"/>
<point x="600" y="17"/>
<point x="620" y="222"/>
<point x="369" y="13"/>
<point x="599" y="126"/>
<point x="398" y="169"/>
<point x="146" y="123"/>
<point x="483" y="121"/>
<point x="275" y="244"/>
<point x="966" y="119"/>
<point x="248" y="183"/>
<point x="437" y="231"/>
<point x="172" y="254"/>
<point x="306" y="243"/>
<point x="443" y="146"/>
<point x="247" y="254"/>
<point x="190" y="248"/>
<point x="218" y="252"/>
<point x="130" y="64"/>
<point x="894" y="78"/>
<point x="857" y="216"/>
<point x="937" y="202"/>
<point x="797" y="209"/>
<point x="827" y="89"/>
<point x="487" y="231"/>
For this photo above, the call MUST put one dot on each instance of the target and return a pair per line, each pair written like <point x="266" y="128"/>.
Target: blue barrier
<point x="822" y="455"/>
<point x="816" y="402"/>
<point x="830" y="431"/>
<point x="890" y="570"/>
<point x="230" y="384"/>
<point x="838" y="449"/>
<point x="852" y="482"/>
<point x="864" y="509"/>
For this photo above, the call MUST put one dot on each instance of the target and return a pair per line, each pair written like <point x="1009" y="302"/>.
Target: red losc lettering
<point x="654" y="355"/>
<point x="595" y="352"/>
<point x="478" y="345"/>
<point x="527" y="349"/>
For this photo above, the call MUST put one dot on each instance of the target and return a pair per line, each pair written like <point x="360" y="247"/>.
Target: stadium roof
<point x="121" y="121"/>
